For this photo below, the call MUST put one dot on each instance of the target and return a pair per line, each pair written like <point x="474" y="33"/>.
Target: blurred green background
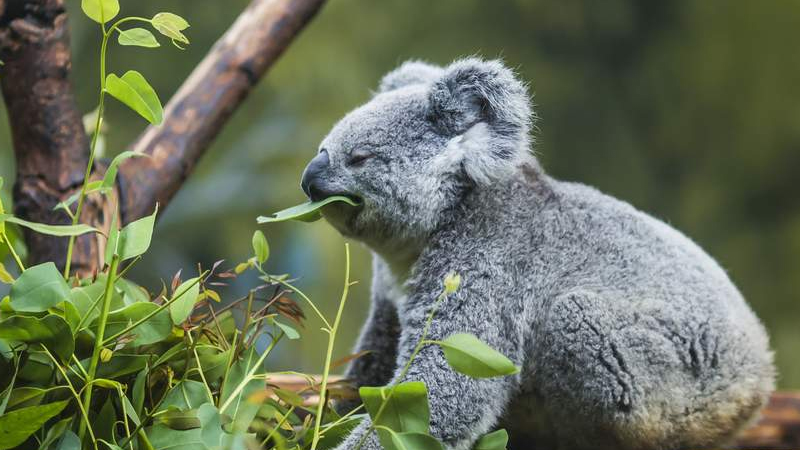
<point x="689" y="110"/>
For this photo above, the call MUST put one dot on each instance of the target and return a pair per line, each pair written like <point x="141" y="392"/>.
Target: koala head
<point x="428" y="136"/>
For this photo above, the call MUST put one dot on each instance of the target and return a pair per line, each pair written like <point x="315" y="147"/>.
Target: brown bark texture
<point x="51" y="147"/>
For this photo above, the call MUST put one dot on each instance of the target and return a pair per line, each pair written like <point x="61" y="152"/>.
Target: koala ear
<point x="410" y="72"/>
<point x="486" y="111"/>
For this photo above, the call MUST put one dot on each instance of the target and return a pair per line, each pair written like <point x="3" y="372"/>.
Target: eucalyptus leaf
<point x="178" y="419"/>
<point x="134" y="238"/>
<point x="110" y="177"/>
<point x="51" y="331"/>
<point x="260" y="246"/>
<point x="16" y="426"/>
<point x="54" y="433"/>
<point x="468" y="355"/>
<point x="91" y="187"/>
<point x="155" y="329"/>
<point x="182" y="308"/>
<point x="187" y="394"/>
<point x="101" y="11"/>
<point x="496" y="440"/>
<point x="290" y="332"/>
<point x="50" y="230"/>
<point x="69" y="441"/>
<point x="405" y="411"/>
<point x="5" y="277"/>
<point x="171" y="25"/>
<point x="306" y="212"/>
<point x="415" y="441"/>
<point x="39" y="288"/>
<point x="134" y="91"/>
<point x="137" y="37"/>
<point x="237" y="388"/>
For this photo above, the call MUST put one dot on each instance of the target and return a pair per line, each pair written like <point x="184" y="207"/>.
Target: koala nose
<point x="311" y="183"/>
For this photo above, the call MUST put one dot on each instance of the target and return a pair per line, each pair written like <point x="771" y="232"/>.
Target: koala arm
<point x="462" y="408"/>
<point x="379" y="335"/>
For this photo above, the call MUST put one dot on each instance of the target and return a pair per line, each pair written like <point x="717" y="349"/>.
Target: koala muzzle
<point x="313" y="181"/>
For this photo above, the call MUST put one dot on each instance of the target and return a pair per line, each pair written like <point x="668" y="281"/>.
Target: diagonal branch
<point x="205" y="102"/>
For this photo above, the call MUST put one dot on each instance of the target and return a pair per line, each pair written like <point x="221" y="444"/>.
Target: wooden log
<point x="778" y="427"/>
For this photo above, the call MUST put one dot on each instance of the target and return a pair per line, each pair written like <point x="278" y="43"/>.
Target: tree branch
<point x="50" y="144"/>
<point x="205" y="102"/>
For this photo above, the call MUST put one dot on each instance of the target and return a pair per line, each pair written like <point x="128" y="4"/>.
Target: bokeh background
<point x="688" y="110"/>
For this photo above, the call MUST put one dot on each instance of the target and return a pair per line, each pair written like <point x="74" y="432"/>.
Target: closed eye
<point x="358" y="157"/>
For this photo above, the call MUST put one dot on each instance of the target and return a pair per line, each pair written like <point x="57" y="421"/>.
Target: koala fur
<point x="629" y="336"/>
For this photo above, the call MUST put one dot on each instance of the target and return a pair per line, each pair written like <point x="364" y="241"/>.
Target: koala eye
<point x="359" y="156"/>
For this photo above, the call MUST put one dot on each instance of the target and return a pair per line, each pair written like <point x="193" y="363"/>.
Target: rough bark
<point x="198" y="111"/>
<point x="50" y="145"/>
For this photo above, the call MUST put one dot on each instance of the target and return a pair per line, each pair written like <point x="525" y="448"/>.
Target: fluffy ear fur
<point x="410" y="72"/>
<point x="486" y="110"/>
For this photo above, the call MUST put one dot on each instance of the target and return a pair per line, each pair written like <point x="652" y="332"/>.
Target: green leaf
<point x="51" y="230"/>
<point x="181" y="308"/>
<point x="468" y="355"/>
<point x="406" y="411"/>
<point x="135" y="92"/>
<point x="155" y="329"/>
<point x="138" y="37"/>
<point x="55" y="432"/>
<point x="178" y="419"/>
<point x="187" y="394"/>
<point x="91" y="187"/>
<point x="5" y="277"/>
<point x="138" y="392"/>
<point x="52" y="331"/>
<point x="306" y="212"/>
<point x="210" y="435"/>
<point x="290" y="332"/>
<point x="171" y="25"/>
<point x="496" y="440"/>
<point x="69" y="441"/>
<point x="134" y="238"/>
<point x="101" y="11"/>
<point x="239" y="408"/>
<point x="16" y="426"/>
<point x="39" y="288"/>
<point x="110" y="177"/>
<point x="415" y="441"/>
<point x="260" y="246"/>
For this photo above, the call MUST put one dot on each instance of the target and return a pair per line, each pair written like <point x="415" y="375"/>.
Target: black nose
<point x="311" y="182"/>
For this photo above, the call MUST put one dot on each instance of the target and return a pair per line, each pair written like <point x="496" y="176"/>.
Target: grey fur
<point x="629" y="335"/>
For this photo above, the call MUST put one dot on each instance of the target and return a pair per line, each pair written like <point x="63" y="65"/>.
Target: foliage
<point x="100" y="362"/>
<point x="306" y="212"/>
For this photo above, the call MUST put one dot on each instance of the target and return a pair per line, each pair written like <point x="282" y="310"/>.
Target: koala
<point x="628" y="335"/>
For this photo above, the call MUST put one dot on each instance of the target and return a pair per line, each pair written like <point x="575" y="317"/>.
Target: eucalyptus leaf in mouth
<point x="306" y="212"/>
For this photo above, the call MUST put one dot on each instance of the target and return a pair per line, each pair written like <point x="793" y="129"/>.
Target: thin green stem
<point x="277" y="427"/>
<point x="144" y="319"/>
<point x="250" y="373"/>
<point x="101" y="329"/>
<point x="200" y="367"/>
<point x="329" y="354"/>
<point x="74" y="394"/>
<point x="92" y="148"/>
<point x="13" y="252"/>
<point x="304" y="297"/>
<point x="421" y="343"/>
